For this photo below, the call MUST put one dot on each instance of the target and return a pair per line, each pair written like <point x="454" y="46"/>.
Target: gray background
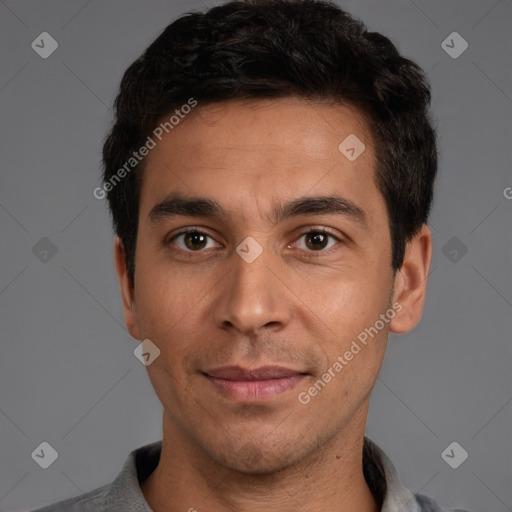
<point x="68" y="375"/>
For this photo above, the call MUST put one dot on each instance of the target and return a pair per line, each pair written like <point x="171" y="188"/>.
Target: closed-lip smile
<point x="253" y="385"/>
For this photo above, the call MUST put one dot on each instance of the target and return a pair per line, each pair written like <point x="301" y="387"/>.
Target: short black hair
<point x="261" y="49"/>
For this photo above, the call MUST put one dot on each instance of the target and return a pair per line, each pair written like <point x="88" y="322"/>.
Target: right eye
<point x="192" y="240"/>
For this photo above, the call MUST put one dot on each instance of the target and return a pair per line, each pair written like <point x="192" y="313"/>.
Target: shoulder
<point x="426" y="504"/>
<point x="384" y="482"/>
<point x="95" y="500"/>
<point x="124" y="493"/>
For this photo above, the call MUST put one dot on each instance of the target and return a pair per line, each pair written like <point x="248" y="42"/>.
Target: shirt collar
<point x="139" y="464"/>
<point x="379" y="472"/>
<point x="382" y="478"/>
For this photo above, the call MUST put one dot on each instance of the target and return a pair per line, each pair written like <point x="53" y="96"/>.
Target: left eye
<point x="316" y="240"/>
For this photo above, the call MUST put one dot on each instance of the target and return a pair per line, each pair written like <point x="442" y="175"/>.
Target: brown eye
<point x="195" y="240"/>
<point x="316" y="241"/>
<point x="192" y="241"/>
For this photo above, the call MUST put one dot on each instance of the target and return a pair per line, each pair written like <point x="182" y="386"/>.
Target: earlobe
<point x="127" y="292"/>
<point x="411" y="282"/>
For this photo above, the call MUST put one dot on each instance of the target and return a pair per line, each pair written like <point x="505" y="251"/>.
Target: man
<point x="270" y="175"/>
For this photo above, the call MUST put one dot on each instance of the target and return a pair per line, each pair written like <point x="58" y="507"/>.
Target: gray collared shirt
<point x="124" y="493"/>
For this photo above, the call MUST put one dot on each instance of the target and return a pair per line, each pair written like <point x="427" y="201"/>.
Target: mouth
<point x="254" y="385"/>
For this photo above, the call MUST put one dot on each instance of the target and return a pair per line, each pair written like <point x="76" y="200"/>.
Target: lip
<point x="254" y="385"/>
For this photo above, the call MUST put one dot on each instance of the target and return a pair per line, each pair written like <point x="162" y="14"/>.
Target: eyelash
<point x="320" y="252"/>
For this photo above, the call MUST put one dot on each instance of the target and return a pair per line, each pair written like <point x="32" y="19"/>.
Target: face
<point x="263" y="258"/>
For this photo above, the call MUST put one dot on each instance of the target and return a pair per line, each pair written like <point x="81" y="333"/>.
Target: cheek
<point x="347" y="311"/>
<point x="167" y="313"/>
<point x="345" y="299"/>
<point x="173" y="310"/>
<point x="349" y="375"/>
<point x="164" y="299"/>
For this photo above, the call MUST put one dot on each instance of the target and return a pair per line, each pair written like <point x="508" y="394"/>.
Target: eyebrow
<point x="177" y="204"/>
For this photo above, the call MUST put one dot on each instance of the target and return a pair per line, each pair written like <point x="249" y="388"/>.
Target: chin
<point x="252" y="459"/>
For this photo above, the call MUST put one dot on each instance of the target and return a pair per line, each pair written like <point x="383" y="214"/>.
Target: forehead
<point x="264" y="150"/>
<point x="308" y="128"/>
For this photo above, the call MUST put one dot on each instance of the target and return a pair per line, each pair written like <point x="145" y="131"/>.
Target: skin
<point x="299" y="304"/>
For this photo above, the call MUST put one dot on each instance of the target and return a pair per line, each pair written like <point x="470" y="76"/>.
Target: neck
<point x="331" y="478"/>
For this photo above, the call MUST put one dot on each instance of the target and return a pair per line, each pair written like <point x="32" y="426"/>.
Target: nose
<point x="252" y="297"/>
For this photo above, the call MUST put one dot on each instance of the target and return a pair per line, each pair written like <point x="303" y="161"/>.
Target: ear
<point x="127" y="292"/>
<point x="411" y="282"/>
